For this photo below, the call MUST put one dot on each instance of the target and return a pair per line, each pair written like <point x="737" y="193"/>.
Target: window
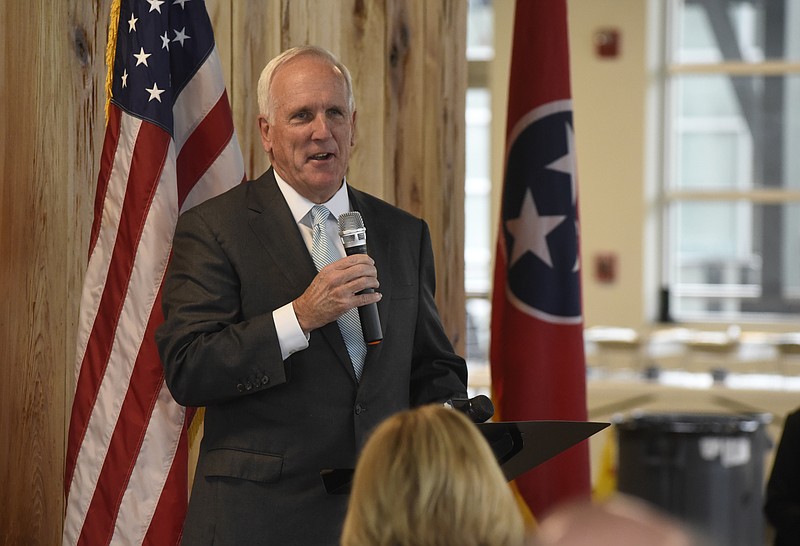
<point x="731" y="180"/>
<point x="477" y="245"/>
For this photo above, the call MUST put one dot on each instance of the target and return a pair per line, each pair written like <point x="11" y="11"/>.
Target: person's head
<point x="620" y="520"/>
<point x="427" y="477"/>
<point x="307" y="119"/>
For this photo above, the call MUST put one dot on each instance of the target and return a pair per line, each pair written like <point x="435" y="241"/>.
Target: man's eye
<point x="301" y="116"/>
<point x="335" y="112"/>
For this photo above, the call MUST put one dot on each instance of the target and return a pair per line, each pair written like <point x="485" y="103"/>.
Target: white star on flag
<point x="566" y="163"/>
<point x="165" y="41"/>
<point x="155" y="5"/>
<point x="125" y="78"/>
<point x="132" y="24"/>
<point x="180" y="36"/>
<point x="141" y="57"/>
<point x="530" y="231"/>
<point x="155" y="92"/>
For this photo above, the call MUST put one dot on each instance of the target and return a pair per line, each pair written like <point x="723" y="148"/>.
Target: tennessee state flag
<point x="537" y="357"/>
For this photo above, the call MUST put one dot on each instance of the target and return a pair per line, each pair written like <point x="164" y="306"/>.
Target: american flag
<point x="537" y="356"/>
<point x="169" y="144"/>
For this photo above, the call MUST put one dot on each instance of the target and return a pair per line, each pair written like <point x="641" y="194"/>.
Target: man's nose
<point x="320" y="127"/>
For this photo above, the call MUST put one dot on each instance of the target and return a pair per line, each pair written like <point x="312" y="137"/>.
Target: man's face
<point x="311" y="130"/>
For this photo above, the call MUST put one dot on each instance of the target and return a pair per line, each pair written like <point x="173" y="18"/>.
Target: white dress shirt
<point x="290" y="335"/>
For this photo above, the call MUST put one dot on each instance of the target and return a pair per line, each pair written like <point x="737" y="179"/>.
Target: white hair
<point x="264" y="90"/>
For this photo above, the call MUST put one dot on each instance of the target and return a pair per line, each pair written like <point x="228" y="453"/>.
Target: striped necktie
<point x="323" y="253"/>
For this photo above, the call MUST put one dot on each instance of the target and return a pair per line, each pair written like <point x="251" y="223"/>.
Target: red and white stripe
<point x="126" y="470"/>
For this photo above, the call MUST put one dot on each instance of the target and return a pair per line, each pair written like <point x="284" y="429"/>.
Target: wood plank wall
<point x="51" y="125"/>
<point x="407" y="60"/>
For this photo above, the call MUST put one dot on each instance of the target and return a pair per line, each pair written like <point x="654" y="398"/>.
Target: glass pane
<point x="478" y="131"/>
<point x="710" y="161"/>
<point x="477" y="192"/>
<point x="739" y="132"/>
<point x="736" y="30"/>
<point x="478" y="316"/>
<point x="480" y="30"/>
<point x="477" y="253"/>
<point x="734" y="259"/>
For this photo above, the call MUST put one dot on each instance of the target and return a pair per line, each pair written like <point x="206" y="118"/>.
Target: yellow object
<point x="606" y="483"/>
<point x="111" y="48"/>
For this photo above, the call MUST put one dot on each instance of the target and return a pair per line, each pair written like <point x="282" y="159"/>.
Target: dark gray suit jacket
<point x="272" y="425"/>
<point x="782" y="502"/>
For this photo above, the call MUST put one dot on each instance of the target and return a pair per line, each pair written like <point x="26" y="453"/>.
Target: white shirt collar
<point x="301" y="207"/>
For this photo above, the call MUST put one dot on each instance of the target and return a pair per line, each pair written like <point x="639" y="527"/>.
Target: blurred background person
<point x="620" y="520"/>
<point x="427" y="477"/>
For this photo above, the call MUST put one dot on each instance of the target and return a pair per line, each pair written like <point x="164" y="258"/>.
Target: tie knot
<point x="319" y="214"/>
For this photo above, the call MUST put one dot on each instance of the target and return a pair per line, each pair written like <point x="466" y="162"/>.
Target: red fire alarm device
<point x="606" y="43"/>
<point x="605" y="267"/>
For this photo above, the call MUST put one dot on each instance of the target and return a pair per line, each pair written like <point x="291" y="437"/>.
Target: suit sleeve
<point x="210" y="354"/>
<point x="437" y="373"/>
<point x="782" y="506"/>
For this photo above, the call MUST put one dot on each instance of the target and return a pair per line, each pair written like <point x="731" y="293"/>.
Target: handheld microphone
<point x="479" y="409"/>
<point x="354" y="239"/>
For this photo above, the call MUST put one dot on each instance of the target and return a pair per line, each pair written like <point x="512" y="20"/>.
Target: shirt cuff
<point x="290" y="336"/>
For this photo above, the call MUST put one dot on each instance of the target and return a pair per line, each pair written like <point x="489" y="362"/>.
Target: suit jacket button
<point x="248" y="385"/>
<point x="240" y="387"/>
<point x="264" y="380"/>
<point x="360" y="409"/>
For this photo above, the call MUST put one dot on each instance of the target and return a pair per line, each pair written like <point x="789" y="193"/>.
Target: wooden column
<point x="51" y="93"/>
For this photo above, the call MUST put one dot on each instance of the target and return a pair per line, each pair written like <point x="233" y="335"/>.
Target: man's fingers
<point x="336" y="289"/>
<point x="366" y="299"/>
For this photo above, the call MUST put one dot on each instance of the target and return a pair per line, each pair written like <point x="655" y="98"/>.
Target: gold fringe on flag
<point x="113" y="25"/>
<point x="527" y="515"/>
<point x="195" y="434"/>
<point x="194" y="426"/>
<point x="606" y="483"/>
<point x="524" y="509"/>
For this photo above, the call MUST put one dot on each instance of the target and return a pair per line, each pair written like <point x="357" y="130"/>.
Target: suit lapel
<point x="272" y="222"/>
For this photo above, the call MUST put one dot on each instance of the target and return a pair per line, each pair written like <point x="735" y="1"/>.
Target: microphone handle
<point x="370" y="321"/>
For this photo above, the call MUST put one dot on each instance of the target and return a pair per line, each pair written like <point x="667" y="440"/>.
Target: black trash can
<point x="705" y="469"/>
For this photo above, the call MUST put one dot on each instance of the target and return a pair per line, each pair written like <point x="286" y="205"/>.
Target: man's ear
<point x="353" y="131"/>
<point x="263" y="130"/>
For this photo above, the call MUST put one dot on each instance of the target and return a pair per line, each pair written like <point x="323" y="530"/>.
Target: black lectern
<point x="522" y="445"/>
<point x="518" y="446"/>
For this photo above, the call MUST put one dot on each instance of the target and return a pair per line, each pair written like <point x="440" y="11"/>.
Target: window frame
<point x="669" y="195"/>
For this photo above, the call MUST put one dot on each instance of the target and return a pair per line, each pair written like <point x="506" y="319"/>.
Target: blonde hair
<point x="427" y="477"/>
<point x="264" y="89"/>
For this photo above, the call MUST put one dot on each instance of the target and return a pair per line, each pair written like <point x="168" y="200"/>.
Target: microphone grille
<point x="350" y="220"/>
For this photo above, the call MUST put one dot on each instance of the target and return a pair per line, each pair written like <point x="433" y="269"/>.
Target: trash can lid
<point x="701" y="423"/>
